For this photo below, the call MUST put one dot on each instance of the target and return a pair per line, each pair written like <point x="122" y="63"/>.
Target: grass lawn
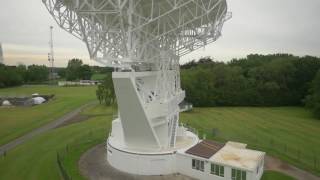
<point x="98" y="76"/>
<point x="290" y="133"/>
<point x="292" y="126"/>
<point x="273" y="175"/>
<point x="20" y="120"/>
<point x="36" y="159"/>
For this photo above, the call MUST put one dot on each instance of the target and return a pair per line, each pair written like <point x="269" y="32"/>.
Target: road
<point x="94" y="165"/>
<point x="53" y="124"/>
<point x="275" y="164"/>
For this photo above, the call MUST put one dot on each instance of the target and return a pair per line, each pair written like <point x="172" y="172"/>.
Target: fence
<point x="89" y="141"/>
<point x="62" y="169"/>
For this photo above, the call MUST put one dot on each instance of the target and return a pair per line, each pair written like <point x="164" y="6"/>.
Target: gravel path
<point x="62" y="120"/>
<point x="93" y="165"/>
<point x="275" y="164"/>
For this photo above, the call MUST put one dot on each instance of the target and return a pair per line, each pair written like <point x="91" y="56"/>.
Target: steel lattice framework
<point x="1" y="55"/>
<point x="145" y="31"/>
<point x="142" y="35"/>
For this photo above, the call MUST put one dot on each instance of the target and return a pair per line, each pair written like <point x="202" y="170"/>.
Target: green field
<point x="17" y="121"/>
<point x="36" y="159"/>
<point x="98" y="76"/>
<point x="272" y="175"/>
<point x="71" y="142"/>
<point x="290" y="133"/>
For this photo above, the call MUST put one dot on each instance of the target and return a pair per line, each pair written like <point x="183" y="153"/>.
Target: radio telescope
<point x="143" y="40"/>
<point x="1" y="55"/>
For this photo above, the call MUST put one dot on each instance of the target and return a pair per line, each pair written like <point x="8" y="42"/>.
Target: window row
<point x="237" y="174"/>
<point x="198" y="165"/>
<point x="218" y="170"/>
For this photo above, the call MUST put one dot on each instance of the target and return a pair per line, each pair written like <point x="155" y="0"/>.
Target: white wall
<point x="184" y="166"/>
<point x="136" y="126"/>
<point x="141" y="164"/>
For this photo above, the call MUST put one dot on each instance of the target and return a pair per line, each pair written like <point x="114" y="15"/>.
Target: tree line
<point x="257" y="80"/>
<point x="38" y="74"/>
<point x="18" y="75"/>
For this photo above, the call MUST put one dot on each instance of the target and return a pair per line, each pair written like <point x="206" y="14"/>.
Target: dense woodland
<point x="18" y="75"/>
<point x="39" y="74"/>
<point x="258" y="80"/>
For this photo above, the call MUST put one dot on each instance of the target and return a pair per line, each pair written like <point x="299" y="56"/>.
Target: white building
<point x="1" y="55"/>
<point x="146" y="140"/>
<point x="78" y="83"/>
<point x="209" y="160"/>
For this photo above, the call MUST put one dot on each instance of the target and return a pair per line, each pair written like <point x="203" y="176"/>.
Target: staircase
<point x="147" y="97"/>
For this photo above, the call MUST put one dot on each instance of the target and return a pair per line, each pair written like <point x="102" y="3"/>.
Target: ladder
<point x="173" y="132"/>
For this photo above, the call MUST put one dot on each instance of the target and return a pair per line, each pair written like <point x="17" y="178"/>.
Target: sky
<point x="257" y="26"/>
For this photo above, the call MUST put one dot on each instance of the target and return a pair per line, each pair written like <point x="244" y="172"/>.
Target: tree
<point x="9" y="76"/>
<point x="61" y="72"/>
<point x="85" y="72"/>
<point x="22" y="70"/>
<point x="100" y="93"/>
<point x="76" y="70"/>
<point x="105" y="92"/>
<point x="37" y="74"/>
<point x="73" y="69"/>
<point x="313" y="100"/>
<point x="257" y="80"/>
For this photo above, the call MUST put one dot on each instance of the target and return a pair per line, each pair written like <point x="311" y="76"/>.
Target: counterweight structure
<point x="143" y="40"/>
<point x="1" y="55"/>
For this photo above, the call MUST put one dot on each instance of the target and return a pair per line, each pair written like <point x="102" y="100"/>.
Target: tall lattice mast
<point x="1" y="55"/>
<point x="51" y="54"/>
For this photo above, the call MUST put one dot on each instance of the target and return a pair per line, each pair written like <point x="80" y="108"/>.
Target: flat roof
<point x="205" y="149"/>
<point x="236" y="155"/>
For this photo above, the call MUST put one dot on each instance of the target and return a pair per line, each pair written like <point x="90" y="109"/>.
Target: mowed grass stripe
<point x="36" y="159"/>
<point x="290" y="133"/>
<point x="19" y="120"/>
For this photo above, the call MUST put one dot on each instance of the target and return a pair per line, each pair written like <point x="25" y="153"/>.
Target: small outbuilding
<point x="210" y="160"/>
<point x="6" y="103"/>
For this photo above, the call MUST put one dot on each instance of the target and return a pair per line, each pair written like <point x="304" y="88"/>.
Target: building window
<point x="217" y="170"/>
<point x="198" y="165"/>
<point x="237" y="174"/>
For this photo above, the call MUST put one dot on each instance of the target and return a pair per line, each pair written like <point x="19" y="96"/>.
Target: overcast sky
<point x="257" y="26"/>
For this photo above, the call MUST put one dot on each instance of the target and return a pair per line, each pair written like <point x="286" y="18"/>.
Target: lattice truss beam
<point x="141" y="31"/>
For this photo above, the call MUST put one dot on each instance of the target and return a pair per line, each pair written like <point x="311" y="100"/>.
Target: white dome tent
<point x="6" y="103"/>
<point x="38" y="100"/>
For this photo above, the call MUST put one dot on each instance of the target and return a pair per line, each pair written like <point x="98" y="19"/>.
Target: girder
<point x="139" y="30"/>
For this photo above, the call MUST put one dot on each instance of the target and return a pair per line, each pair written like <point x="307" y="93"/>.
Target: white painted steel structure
<point x="143" y="40"/>
<point x="1" y="55"/>
<point x="51" y="54"/>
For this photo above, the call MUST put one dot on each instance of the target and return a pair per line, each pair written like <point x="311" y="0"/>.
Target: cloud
<point x="28" y="54"/>
<point x="257" y="26"/>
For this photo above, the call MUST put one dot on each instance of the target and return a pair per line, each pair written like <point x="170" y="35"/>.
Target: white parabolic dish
<point x="144" y="40"/>
<point x="118" y="31"/>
